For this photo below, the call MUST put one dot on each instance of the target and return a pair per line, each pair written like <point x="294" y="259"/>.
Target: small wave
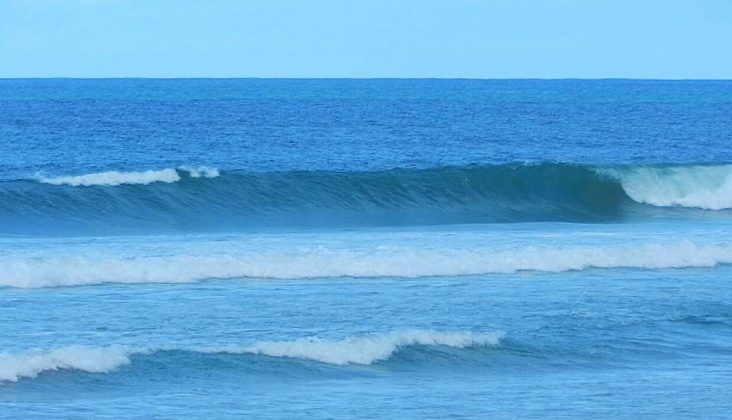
<point x="323" y="262"/>
<point x="362" y="350"/>
<point x="85" y="358"/>
<point x="115" y="178"/>
<point x="704" y="187"/>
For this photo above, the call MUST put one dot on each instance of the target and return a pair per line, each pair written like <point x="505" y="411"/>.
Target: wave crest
<point x="369" y="349"/>
<point x="362" y="350"/>
<point x="85" y="358"/>
<point x="115" y="178"/>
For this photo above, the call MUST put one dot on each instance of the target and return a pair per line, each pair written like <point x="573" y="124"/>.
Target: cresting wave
<point x="323" y="262"/>
<point x="196" y="199"/>
<point x="704" y="187"/>
<point x="115" y="178"/>
<point x="14" y="366"/>
<point x="365" y="350"/>
<point x="361" y="350"/>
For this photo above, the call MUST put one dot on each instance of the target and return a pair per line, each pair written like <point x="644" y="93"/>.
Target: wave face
<point x="361" y="350"/>
<point x="36" y="271"/>
<point x="201" y="198"/>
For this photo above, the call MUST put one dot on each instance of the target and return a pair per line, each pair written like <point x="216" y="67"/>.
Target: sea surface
<point x="254" y="248"/>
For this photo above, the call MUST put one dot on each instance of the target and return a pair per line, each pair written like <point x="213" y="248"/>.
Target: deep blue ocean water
<point x="365" y="248"/>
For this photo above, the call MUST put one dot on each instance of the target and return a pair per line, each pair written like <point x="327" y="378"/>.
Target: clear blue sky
<point x="367" y="38"/>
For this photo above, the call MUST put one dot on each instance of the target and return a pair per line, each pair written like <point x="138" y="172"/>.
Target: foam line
<point x="324" y="262"/>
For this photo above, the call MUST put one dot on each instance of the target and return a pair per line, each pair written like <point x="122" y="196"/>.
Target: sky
<point x="656" y="39"/>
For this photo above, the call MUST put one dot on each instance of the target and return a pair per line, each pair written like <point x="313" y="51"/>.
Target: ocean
<point x="273" y="248"/>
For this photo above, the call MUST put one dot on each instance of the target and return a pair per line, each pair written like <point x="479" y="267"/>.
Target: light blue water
<point x="345" y="248"/>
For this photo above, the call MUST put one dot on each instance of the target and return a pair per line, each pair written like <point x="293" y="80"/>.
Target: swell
<point x="203" y="198"/>
<point x="359" y="350"/>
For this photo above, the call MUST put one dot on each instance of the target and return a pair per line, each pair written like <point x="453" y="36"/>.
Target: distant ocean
<point x="260" y="248"/>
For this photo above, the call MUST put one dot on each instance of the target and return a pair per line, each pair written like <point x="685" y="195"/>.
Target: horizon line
<point x="364" y="78"/>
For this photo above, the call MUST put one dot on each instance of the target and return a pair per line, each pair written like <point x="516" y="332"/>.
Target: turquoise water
<point x="345" y="248"/>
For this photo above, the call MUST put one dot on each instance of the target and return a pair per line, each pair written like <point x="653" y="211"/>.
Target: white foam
<point x="115" y="178"/>
<point x="365" y="350"/>
<point x="14" y="366"/>
<point x="704" y="187"/>
<point x="201" y="171"/>
<point x="30" y="271"/>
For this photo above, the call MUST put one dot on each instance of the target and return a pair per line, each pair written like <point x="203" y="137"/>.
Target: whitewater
<point x="285" y="257"/>
<point x="705" y="187"/>
<point x="114" y="178"/>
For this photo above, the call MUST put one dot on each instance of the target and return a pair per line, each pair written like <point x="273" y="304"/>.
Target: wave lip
<point x="115" y="178"/>
<point x="362" y="350"/>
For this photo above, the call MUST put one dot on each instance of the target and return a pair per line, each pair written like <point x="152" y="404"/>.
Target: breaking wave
<point x="704" y="187"/>
<point x="365" y="350"/>
<point x="195" y="199"/>
<point x="361" y="350"/>
<point x="14" y="366"/>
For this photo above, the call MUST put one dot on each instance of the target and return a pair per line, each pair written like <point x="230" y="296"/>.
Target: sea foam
<point x="14" y="366"/>
<point x="704" y="187"/>
<point x="115" y="178"/>
<point x="368" y="349"/>
<point x="328" y="262"/>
